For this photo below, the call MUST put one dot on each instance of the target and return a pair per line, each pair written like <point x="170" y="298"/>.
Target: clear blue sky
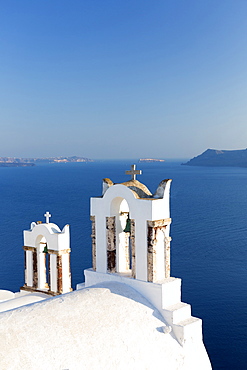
<point x="122" y="78"/>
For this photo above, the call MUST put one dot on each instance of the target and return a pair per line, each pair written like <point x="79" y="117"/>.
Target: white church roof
<point x="140" y="190"/>
<point x="107" y="326"/>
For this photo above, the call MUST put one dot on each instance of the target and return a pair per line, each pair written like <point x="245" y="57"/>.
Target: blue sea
<point x="209" y="235"/>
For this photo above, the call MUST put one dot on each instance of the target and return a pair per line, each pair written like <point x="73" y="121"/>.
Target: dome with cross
<point x="139" y="190"/>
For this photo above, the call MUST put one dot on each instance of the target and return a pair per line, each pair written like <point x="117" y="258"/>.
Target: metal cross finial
<point x="47" y="217"/>
<point x="133" y="172"/>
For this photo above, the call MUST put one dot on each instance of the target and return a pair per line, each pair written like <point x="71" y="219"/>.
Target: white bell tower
<point x="131" y="230"/>
<point x="47" y="258"/>
<point x="131" y="245"/>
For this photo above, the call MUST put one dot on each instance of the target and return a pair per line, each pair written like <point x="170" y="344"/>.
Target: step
<point x="80" y="286"/>
<point x="188" y="330"/>
<point x="177" y="313"/>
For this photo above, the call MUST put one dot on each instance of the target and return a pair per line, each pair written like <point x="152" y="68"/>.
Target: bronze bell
<point x="127" y="227"/>
<point x="45" y="249"/>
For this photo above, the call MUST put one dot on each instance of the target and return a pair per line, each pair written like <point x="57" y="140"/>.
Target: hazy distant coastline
<point x="151" y="160"/>
<point x="16" y="164"/>
<point x="219" y="158"/>
<point x="24" y="162"/>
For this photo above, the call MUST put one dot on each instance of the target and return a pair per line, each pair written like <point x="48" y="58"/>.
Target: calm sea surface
<point x="209" y="235"/>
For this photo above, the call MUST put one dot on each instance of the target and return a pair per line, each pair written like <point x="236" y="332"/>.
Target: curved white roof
<point x="107" y="326"/>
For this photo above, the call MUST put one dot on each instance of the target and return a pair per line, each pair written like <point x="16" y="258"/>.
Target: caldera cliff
<point x="219" y="158"/>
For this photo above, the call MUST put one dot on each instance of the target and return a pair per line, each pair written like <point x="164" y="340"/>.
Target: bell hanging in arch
<point x="45" y="249"/>
<point x="127" y="227"/>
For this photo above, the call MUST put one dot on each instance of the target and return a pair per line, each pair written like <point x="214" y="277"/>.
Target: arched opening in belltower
<point x="42" y="265"/>
<point x="120" y="210"/>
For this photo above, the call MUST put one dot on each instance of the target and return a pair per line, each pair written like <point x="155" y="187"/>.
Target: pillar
<point x="59" y="274"/>
<point x="93" y="236"/>
<point x="111" y="243"/>
<point x="133" y="249"/>
<point x="29" y="268"/>
<point x="66" y="278"/>
<point x="53" y="272"/>
<point x="158" y="250"/>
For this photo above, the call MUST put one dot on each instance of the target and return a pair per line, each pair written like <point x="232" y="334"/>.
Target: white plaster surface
<point x="107" y="326"/>
<point x="161" y="295"/>
<point x="19" y="300"/>
<point x="164" y="296"/>
<point x="6" y="294"/>
<point x="55" y="238"/>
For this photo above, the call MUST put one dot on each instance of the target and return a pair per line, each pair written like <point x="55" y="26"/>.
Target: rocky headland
<point x="219" y="158"/>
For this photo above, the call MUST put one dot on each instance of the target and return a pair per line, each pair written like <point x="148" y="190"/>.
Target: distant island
<point x="24" y="162"/>
<point x="219" y="158"/>
<point x="151" y="160"/>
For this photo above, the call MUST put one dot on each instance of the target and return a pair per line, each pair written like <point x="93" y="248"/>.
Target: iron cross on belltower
<point x="133" y="172"/>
